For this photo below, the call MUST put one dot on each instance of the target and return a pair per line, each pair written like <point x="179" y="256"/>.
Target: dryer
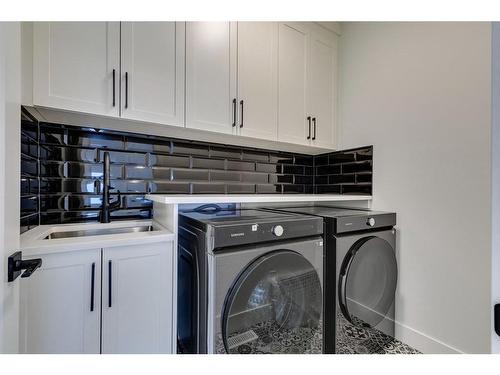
<point x="360" y="274"/>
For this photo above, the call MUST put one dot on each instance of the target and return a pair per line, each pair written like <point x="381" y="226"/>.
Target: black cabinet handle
<point x="241" y="105"/>
<point x="497" y="318"/>
<point x="92" y="285"/>
<point x="309" y="126"/>
<point x="314" y="128"/>
<point x="109" y="283"/>
<point x="114" y="88"/>
<point x="234" y="112"/>
<point x="126" y="89"/>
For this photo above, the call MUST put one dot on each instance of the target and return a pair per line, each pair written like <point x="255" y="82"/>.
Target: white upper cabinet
<point x="74" y="64"/>
<point x="292" y="69"/>
<point x="322" y="88"/>
<point x="258" y="79"/>
<point x="61" y="304"/>
<point x="211" y="76"/>
<point x="137" y="312"/>
<point x="152" y="72"/>
<point x="264" y="80"/>
<point x="307" y="85"/>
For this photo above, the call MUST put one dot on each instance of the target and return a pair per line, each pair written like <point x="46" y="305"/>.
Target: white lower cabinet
<point x="61" y="302"/>
<point x="137" y="299"/>
<point x="59" y="311"/>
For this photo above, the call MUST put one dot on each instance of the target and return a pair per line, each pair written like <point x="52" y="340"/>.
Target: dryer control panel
<point x="364" y="221"/>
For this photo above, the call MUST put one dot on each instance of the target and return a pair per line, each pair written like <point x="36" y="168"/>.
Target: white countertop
<point x="253" y="198"/>
<point x="33" y="242"/>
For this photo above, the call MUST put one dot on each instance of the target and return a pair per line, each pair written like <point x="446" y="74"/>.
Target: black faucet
<point x="107" y="207"/>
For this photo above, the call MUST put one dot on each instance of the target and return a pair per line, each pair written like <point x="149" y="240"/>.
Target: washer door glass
<point x="274" y="306"/>
<point x="367" y="281"/>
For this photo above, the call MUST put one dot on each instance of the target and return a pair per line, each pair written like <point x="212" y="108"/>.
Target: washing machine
<point x="361" y="275"/>
<point x="250" y="281"/>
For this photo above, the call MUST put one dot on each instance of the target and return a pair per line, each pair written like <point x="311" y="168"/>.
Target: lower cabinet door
<point x="137" y="305"/>
<point x="60" y="304"/>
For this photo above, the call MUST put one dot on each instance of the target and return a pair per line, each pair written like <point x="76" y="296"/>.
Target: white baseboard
<point x="423" y="342"/>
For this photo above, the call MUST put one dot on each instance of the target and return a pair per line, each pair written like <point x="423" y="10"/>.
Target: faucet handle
<point x="118" y="203"/>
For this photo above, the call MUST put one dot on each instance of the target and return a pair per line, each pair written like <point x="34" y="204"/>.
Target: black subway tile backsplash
<point x="166" y="187"/>
<point x="200" y="188"/>
<point x="208" y="163"/>
<point x="345" y="172"/>
<point x="123" y="157"/>
<point x="168" y="161"/>
<point x="56" y="153"/>
<point x="240" y="165"/>
<point x="189" y="175"/>
<point x="270" y="168"/>
<point x="241" y="189"/>
<point x="61" y="171"/>
<point x="281" y="178"/>
<point x="293" y="169"/>
<point x="327" y="169"/>
<point x="260" y="178"/>
<point x="190" y="148"/>
<point x="268" y="188"/>
<point x="224" y="176"/>
<point x="365" y="166"/>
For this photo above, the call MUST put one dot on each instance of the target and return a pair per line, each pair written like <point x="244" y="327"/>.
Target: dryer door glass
<point x="367" y="281"/>
<point x="274" y="306"/>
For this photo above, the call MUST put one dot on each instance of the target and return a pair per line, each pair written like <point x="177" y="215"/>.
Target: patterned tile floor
<point x="350" y="340"/>
<point x="276" y="340"/>
<point x="356" y="340"/>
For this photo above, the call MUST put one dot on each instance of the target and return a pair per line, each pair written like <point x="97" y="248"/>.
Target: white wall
<point x="10" y="93"/>
<point x="420" y="93"/>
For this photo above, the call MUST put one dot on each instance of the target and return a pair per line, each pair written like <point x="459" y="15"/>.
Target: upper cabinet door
<point x="258" y="79"/>
<point x="137" y="299"/>
<point x="152" y="72"/>
<point x="322" y="88"/>
<point x="211" y="76"/>
<point x="292" y="62"/>
<point x="60" y="307"/>
<point x="74" y="64"/>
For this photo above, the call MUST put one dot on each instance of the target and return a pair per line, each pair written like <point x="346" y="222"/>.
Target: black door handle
<point x="15" y="265"/>
<point x="126" y="89"/>
<point x="234" y="112"/>
<point x="314" y="128"/>
<point x="309" y="126"/>
<point x="109" y="283"/>
<point x="114" y="88"/>
<point x="92" y="285"/>
<point x="241" y="105"/>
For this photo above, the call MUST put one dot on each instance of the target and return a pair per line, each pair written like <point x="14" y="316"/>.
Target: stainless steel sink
<point x="99" y="232"/>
